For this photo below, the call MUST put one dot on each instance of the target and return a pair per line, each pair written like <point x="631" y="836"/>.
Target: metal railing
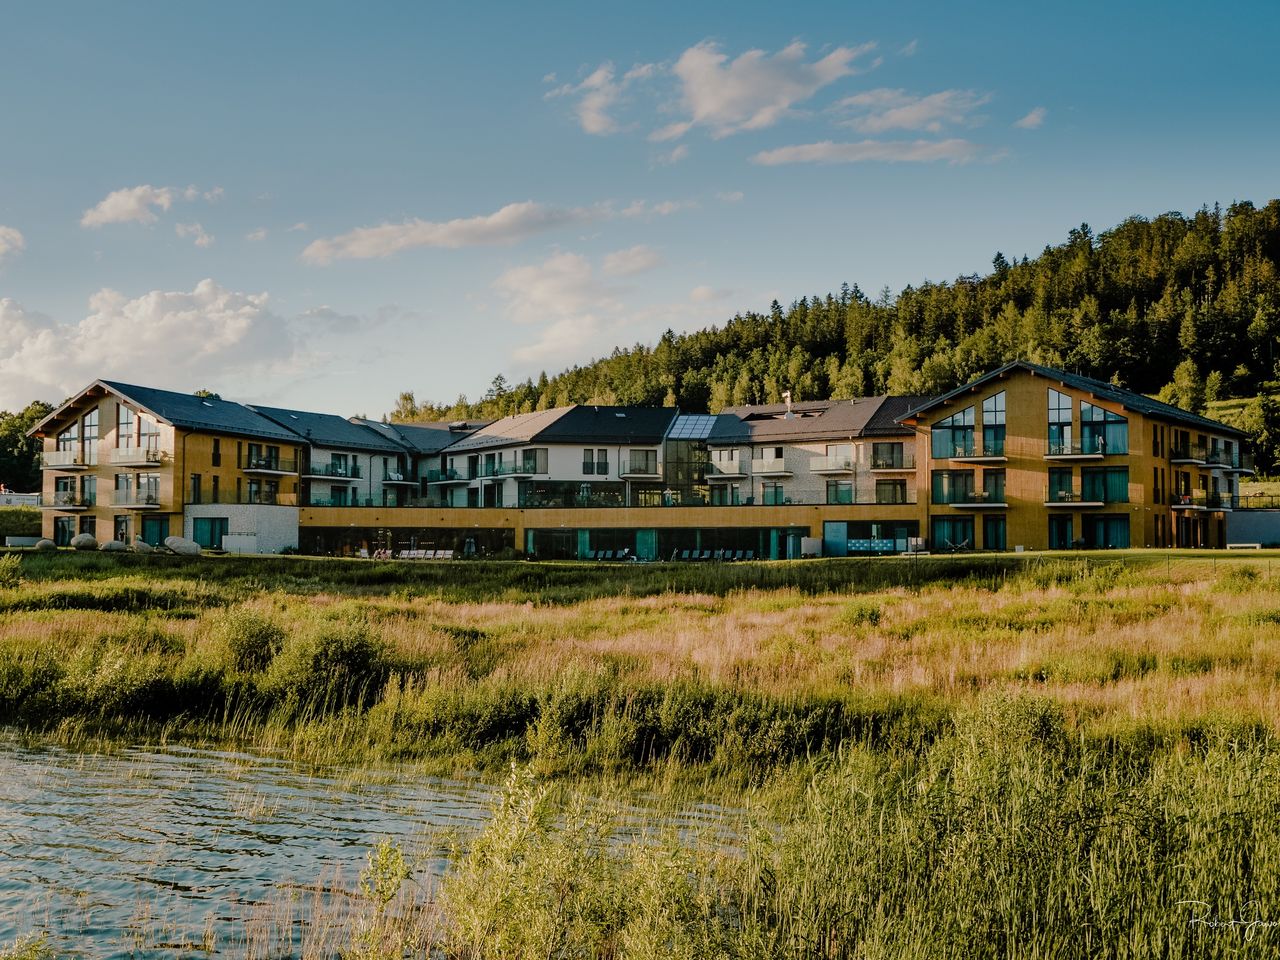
<point x="246" y="499"/>
<point x="1092" y="447"/>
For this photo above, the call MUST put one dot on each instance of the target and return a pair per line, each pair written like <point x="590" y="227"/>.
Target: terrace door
<point x="155" y="529"/>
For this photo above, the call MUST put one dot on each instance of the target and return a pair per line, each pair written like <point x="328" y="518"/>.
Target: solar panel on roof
<point x="692" y="426"/>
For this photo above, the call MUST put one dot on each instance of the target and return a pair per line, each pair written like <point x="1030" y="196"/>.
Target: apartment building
<point x="125" y="462"/>
<point x="1025" y="456"/>
<point x="1036" y="457"/>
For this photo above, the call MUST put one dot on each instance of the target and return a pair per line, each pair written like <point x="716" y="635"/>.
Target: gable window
<point x="124" y="427"/>
<point x="953" y="437"/>
<point x="148" y="433"/>
<point x="67" y="441"/>
<point x="1102" y="431"/>
<point x="993" y="425"/>
<point x="1059" y="423"/>
<point x="89" y="436"/>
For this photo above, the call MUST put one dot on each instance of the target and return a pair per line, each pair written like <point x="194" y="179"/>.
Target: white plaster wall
<point x="256" y="529"/>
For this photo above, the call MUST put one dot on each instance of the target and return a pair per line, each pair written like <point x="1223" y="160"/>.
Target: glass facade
<point x="953" y="437"/>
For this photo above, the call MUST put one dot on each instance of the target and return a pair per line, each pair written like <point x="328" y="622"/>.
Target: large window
<point x="952" y="486"/>
<point x="1104" y="484"/>
<point x="89" y="490"/>
<point x="1060" y="484"/>
<point x="595" y="462"/>
<point x="209" y="531"/>
<point x="148" y="488"/>
<point x="89" y="436"/>
<point x="839" y="491"/>
<point x="993" y="533"/>
<point x="64" y="528"/>
<point x="1106" y="532"/>
<point x="993" y="486"/>
<point x="124" y="427"/>
<point x="887" y="456"/>
<point x="1059" y="423"/>
<point x="953" y="437"/>
<point x="951" y="533"/>
<point x="993" y="425"/>
<point x="1060" y="536"/>
<point x="1102" y="431"/>
<point x="771" y="494"/>
<point x="839" y="456"/>
<point x="533" y="460"/>
<point x="148" y="433"/>
<point x="644" y="461"/>
<point x="891" y="491"/>
<point x="68" y="441"/>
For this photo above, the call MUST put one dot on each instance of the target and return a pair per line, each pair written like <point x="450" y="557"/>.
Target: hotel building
<point x="1022" y="457"/>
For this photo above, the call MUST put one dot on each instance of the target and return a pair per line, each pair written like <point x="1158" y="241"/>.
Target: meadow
<point x="1002" y="756"/>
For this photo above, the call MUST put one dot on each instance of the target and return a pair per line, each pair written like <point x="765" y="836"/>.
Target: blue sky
<point x="324" y="204"/>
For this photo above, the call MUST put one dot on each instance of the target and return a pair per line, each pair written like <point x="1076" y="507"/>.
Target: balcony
<point x="270" y="466"/>
<point x="640" y="470"/>
<point x="1218" y="457"/>
<point x="1069" y="498"/>
<point x="448" y="476"/>
<point x="1196" y="453"/>
<point x="770" y="467"/>
<point x="831" y="465"/>
<point x="333" y="471"/>
<point x="65" y="460"/>
<point x="499" y="470"/>
<point x="974" y="499"/>
<point x="727" y="469"/>
<point x="249" y="499"/>
<point x="137" y="457"/>
<point x="65" y="500"/>
<point x="1091" y="449"/>
<point x="398" y="478"/>
<point x="979" y="453"/>
<point x="1202" y="500"/>
<point x="1243" y="463"/>
<point x="136" y="500"/>
<point x="904" y="461"/>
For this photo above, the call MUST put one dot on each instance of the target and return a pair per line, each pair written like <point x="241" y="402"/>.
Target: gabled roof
<point x="1137" y="402"/>
<point x="578" y="424"/>
<point x="886" y="421"/>
<point x="330" y="430"/>
<point x="423" y="439"/>
<point x="807" y="420"/>
<point x="183" y="410"/>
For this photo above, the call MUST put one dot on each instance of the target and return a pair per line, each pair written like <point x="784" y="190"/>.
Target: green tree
<point x="20" y="454"/>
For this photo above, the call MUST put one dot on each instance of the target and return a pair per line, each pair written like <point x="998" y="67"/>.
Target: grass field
<point x="1002" y="756"/>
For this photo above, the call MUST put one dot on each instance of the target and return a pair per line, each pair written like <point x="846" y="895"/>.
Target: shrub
<point x="336" y="666"/>
<point x="252" y="640"/>
<point x="10" y="571"/>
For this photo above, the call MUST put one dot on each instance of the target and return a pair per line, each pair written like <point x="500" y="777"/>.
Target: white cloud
<point x="11" y="241"/>
<point x="196" y="232"/>
<point x="706" y="294"/>
<point x="754" y="90"/>
<point x="627" y="263"/>
<point x="210" y="334"/>
<point x="909" y="49"/>
<point x="300" y="227"/>
<point x="133" y="204"/>
<point x="1033" y="120"/>
<point x="884" y="109"/>
<point x="598" y="93"/>
<point x="641" y="208"/>
<point x="257" y="235"/>
<point x="674" y="156"/>
<point x="513" y="222"/>
<point x="730" y="196"/>
<point x="885" y="151"/>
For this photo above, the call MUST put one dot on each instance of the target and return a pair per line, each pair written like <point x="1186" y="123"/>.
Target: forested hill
<point x="1187" y="305"/>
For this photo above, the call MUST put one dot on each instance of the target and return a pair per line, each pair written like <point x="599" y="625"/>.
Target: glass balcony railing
<point x="831" y="464"/>
<point x="900" y="461"/>
<point x="336" y="471"/>
<point x="65" y="500"/>
<point x="397" y="476"/>
<point x="135" y="498"/>
<point x="268" y="464"/>
<point x="1091" y="447"/>
<point x="1189" y="453"/>
<point x="763" y="466"/>
<point x="64" y="460"/>
<point x="137" y="456"/>
<point x="1203" y="500"/>
<point x="448" y="476"/>
<point x="249" y="498"/>
<point x="727" y="467"/>
<point x="512" y="469"/>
